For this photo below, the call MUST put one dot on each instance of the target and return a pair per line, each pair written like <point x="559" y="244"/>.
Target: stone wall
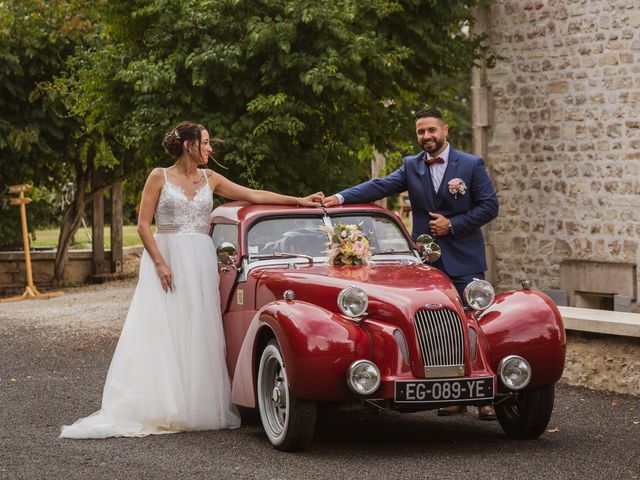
<point x="564" y="136"/>
<point x="603" y="362"/>
<point x="13" y="268"/>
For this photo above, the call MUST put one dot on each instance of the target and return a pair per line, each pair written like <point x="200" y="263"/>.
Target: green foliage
<point x="301" y="91"/>
<point x="43" y="211"/>
<point x="298" y="89"/>
<point x="43" y="141"/>
<point x="37" y="137"/>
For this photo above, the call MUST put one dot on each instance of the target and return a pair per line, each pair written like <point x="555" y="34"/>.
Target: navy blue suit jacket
<point x="463" y="252"/>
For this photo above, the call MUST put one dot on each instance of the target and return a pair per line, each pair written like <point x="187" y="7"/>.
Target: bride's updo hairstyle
<point x="173" y="141"/>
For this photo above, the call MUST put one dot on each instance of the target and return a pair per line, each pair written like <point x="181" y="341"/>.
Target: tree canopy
<point x="41" y="143"/>
<point x="300" y="91"/>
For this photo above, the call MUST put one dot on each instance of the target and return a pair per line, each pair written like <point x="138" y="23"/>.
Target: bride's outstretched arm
<point x="148" y="203"/>
<point x="227" y="189"/>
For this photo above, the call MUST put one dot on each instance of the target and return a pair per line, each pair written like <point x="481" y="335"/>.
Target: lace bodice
<point x="177" y="213"/>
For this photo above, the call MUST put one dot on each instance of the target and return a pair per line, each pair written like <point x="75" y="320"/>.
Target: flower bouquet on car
<point x="347" y="245"/>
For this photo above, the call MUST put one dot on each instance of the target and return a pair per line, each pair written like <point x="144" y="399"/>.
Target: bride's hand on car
<point x="313" y="200"/>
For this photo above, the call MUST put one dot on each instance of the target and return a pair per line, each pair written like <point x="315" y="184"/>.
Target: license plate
<point x="439" y="391"/>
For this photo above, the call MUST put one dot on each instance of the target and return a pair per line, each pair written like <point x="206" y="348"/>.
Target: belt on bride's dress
<point x="182" y="229"/>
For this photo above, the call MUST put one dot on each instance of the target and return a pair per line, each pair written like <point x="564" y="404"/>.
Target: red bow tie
<point x="430" y="160"/>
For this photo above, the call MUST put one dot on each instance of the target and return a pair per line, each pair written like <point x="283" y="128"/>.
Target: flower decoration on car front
<point x="347" y="245"/>
<point x="457" y="187"/>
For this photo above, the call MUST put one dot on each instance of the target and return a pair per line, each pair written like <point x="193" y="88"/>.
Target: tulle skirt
<point x="168" y="373"/>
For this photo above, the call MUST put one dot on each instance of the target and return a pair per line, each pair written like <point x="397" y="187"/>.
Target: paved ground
<point x="54" y="355"/>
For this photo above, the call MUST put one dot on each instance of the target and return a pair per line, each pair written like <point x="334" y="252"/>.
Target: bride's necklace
<point x="201" y="178"/>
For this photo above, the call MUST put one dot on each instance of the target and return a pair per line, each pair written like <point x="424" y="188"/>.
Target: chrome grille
<point x="440" y="337"/>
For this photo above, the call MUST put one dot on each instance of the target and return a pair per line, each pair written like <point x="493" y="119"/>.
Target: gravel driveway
<point x="54" y="355"/>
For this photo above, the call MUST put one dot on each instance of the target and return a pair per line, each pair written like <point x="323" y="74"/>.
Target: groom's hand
<point x="331" y="201"/>
<point x="439" y="226"/>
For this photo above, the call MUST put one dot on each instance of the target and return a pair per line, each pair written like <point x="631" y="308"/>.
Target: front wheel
<point x="288" y="422"/>
<point x="529" y="416"/>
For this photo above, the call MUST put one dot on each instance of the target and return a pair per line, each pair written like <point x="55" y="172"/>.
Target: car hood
<point x="393" y="288"/>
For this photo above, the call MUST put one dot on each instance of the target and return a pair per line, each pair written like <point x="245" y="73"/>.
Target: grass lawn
<point x="49" y="238"/>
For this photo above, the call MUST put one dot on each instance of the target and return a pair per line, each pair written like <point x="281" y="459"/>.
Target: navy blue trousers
<point x="461" y="281"/>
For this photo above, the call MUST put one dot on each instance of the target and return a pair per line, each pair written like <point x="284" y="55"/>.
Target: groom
<point x="451" y="198"/>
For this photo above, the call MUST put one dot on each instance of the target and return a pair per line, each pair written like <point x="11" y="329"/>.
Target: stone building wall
<point x="564" y="137"/>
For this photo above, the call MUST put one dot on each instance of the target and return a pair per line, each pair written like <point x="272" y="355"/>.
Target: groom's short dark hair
<point x="428" y="113"/>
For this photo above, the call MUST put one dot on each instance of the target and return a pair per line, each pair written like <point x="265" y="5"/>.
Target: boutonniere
<point x="457" y="187"/>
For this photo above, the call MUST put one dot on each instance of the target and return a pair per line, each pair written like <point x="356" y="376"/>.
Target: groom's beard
<point x="435" y="146"/>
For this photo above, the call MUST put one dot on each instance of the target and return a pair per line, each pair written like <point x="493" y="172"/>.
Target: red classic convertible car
<point x="390" y="334"/>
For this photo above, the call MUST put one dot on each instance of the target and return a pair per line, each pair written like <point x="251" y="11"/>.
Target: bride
<point x="168" y="373"/>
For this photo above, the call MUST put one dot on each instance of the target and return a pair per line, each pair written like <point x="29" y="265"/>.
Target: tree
<point x="298" y="89"/>
<point x="40" y="141"/>
<point x="35" y="133"/>
<point x="301" y="91"/>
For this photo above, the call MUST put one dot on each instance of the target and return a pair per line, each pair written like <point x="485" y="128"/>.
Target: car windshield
<point x="304" y="235"/>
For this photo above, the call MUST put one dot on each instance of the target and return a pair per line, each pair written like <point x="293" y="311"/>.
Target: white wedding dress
<point x="168" y="373"/>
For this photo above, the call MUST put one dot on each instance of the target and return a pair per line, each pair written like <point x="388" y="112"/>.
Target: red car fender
<point x="386" y="352"/>
<point x="317" y="347"/>
<point x="526" y="323"/>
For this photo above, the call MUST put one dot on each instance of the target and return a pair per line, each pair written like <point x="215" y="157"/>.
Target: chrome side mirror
<point x="226" y="252"/>
<point x="429" y="250"/>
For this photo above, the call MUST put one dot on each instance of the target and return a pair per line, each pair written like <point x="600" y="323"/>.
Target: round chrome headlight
<point x="363" y="377"/>
<point x="479" y="294"/>
<point x="515" y="372"/>
<point x="353" y="301"/>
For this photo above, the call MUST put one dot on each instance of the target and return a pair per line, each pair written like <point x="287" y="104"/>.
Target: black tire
<point x="529" y="416"/>
<point x="288" y="422"/>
